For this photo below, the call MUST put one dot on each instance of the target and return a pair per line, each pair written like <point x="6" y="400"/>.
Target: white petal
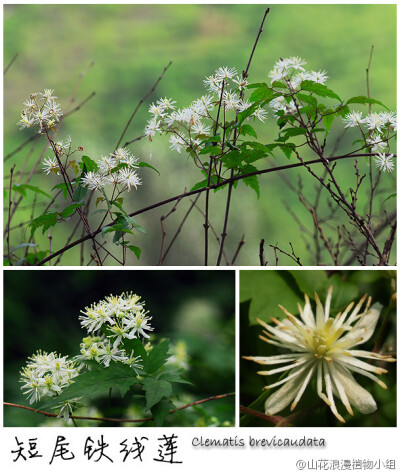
<point x="307" y="314"/>
<point x="358" y="397"/>
<point x="284" y="395"/>
<point x="368" y="322"/>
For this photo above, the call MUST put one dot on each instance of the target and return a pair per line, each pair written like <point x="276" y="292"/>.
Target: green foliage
<point x="45" y="221"/>
<point x="21" y="188"/>
<point x="319" y="89"/>
<point x="364" y="100"/>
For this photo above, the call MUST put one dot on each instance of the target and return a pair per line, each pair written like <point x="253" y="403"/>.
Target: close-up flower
<point x="324" y="346"/>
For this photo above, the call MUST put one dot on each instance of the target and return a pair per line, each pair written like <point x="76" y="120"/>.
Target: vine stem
<point x="201" y="190"/>
<point x="228" y="199"/>
<point x="113" y="419"/>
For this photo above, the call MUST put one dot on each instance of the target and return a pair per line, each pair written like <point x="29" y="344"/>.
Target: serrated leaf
<point x="62" y="187"/>
<point x="79" y="193"/>
<point x="74" y="166"/>
<point x="247" y="129"/>
<point x="328" y="121"/>
<point x="213" y="150"/>
<point x="262" y="93"/>
<point x="140" y="228"/>
<point x="319" y="89"/>
<point x="251" y="181"/>
<point x="147" y="165"/>
<point x="69" y="210"/>
<point x="99" y="200"/>
<point x="161" y="410"/>
<point x="45" y="220"/>
<point x="136" y="250"/>
<point x="35" y="189"/>
<point x="364" y="100"/>
<point x="173" y="377"/>
<point x="199" y="184"/>
<point x="267" y="290"/>
<point x="88" y="165"/>
<point x="157" y="356"/>
<point x="155" y="390"/>
<point x="286" y="149"/>
<point x="96" y="381"/>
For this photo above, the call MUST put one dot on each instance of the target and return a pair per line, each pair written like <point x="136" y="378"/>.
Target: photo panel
<point x="318" y="348"/>
<point x="119" y="348"/>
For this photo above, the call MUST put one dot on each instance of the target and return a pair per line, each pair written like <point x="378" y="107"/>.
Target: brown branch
<point x="199" y="191"/>
<point x="10" y="63"/>
<point x="114" y="419"/>
<point x="242" y="242"/>
<point x="193" y="204"/>
<point x="261" y="253"/>
<point x="9" y="215"/>
<point x="164" y="232"/>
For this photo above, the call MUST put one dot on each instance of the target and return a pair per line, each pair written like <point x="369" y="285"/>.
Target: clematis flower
<point x="322" y="345"/>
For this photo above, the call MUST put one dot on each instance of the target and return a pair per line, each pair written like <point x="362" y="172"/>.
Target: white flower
<point x="50" y="165"/>
<point x="166" y="103"/>
<point x="225" y="73"/>
<point x="128" y="178"/>
<point x="213" y="84"/>
<point x="231" y="100"/>
<point x="323" y="345"/>
<point x="353" y="119"/>
<point x="48" y="94"/>
<point x="377" y="142"/>
<point x="384" y="162"/>
<point x="158" y="110"/>
<point x="112" y="353"/>
<point x="319" y="77"/>
<point x="203" y="105"/>
<point x="106" y="164"/>
<point x="241" y="82"/>
<point x="176" y="143"/>
<point x="374" y="121"/>
<point x="139" y="324"/>
<point x="46" y="374"/>
<point x="260" y="114"/>
<point x="26" y="121"/>
<point x="296" y="63"/>
<point x="153" y="126"/>
<point x="94" y="181"/>
<point x="200" y="128"/>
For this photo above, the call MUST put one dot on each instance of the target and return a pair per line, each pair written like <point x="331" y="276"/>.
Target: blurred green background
<point x="130" y="45"/>
<point x="262" y="292"/>
<point x="194" y="309"/>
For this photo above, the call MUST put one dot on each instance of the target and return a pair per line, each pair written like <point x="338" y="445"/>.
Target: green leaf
<point x="69" y="210"/>
<point x="319" y="89"/>
<point x="308" y="99"/>
<point x="246" y="113"/>
<point x="311" y="281"/>
<point x="251" y="181"/>
<point x="62" y="187"/>
<point x="140" y="228"/>
<point x="247" y="129"/>
<point x="292" y="132"/>
<point x="287" y="149"/>
<point x="199" y="184"/>
<point x="213" y="150"/>
<point x="364" y="100"/>
<point x="155" y="390"/>
<point x="267" y="290"/>
<point x="136" y="250"/>
<point x="157" y="356"/>
<point x="262" y="93"/>
<point x="147" y="165"/>
<point x="35" y="189"/>
<point x="79" y="193"/>
<point x="45" y="220"/>
<point x="96" y="381"/>
<point x="161" y="410"/>
<point x="88" y="165"/>
<point x="328" y="121"/>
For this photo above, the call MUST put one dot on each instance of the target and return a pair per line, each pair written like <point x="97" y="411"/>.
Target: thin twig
<point x="9" y="215"/>
<point x="201" y="190"/>
<point x="10" y="63"/>
<point x="114" y="419"/>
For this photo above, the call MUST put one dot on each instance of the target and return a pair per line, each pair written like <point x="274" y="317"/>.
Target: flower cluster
<point x="189" y="126"/>
<point x="117" y="169"/>
<point x="290" y="71"/>
<point x="114" y="319"/>
<point x="323" y="345"/>
<point x="47" y="374"/>
<point x="63" y="149"/>
<point x="376" y="128"/>
<point x="40" y="110"/>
